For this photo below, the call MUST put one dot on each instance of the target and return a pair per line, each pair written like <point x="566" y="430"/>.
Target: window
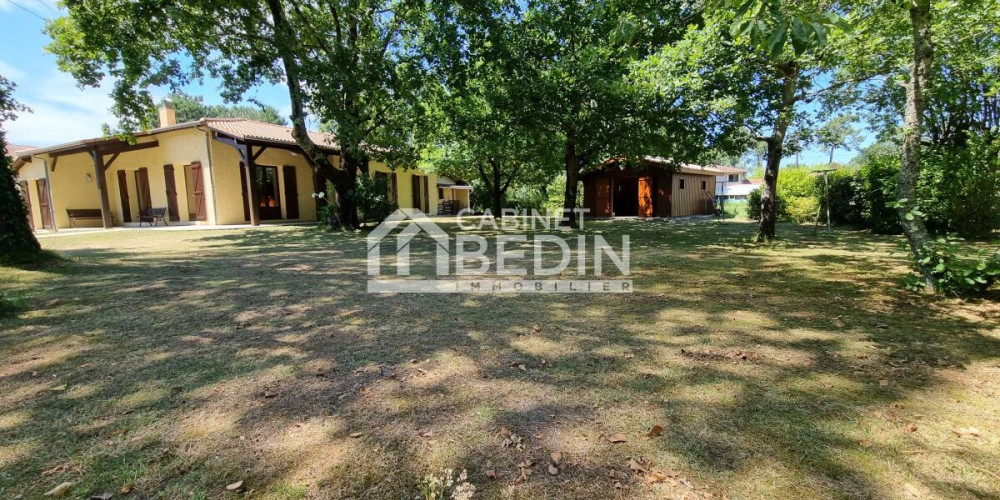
<point x="734" y="177"/>
<point x="704" y="185"/>
<point x="682" y="183"/>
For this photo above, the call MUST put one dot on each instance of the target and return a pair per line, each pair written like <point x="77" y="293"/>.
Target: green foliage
<point x="190" y="108"/>
<point x="753" y="206"/>
<point x="960" y="187"/>
<point x="955" y="274"/>
<point x="371" y="196"/>
<point x="16" y="239"/>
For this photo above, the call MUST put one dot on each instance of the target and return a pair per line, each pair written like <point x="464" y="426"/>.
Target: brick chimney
<point x="168" y="116"/>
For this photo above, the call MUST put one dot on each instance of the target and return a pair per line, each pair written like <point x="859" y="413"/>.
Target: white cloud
<point x="61" y="111"/>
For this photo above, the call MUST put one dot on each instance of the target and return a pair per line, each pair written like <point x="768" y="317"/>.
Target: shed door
<point x="291" y="193"/>
<point x="602" y="198"/>
<point x="43" y="203"/>
<point x="198" y="181"/>
<point x="171" y="183"/>
<point x="123" y="195"/>
<point x="26" y="195"/>
<point x="645" y="197"/>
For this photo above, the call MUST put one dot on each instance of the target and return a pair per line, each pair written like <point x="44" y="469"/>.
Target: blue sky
<point x="63" y="112"/>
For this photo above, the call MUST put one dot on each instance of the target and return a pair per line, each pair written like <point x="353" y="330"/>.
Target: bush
<point x="844" y="198"/>
<point x="877" y="185"/>
<point x="371" y="194"/>
<point x="955" y="275"/>
<point x="960" y="187"/>
<point x="753" y="206"/>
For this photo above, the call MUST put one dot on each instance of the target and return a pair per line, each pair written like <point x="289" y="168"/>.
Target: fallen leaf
<point x="866" y="443"/>
<point x="655" y="477"/>
<point x="237" y="486"/>
<point x="427" y="434"/>
<point x="56" y="470"/>
<point x="268" y="393"/>
<point x="629" y="355"/>
<point x="553" y="470"/>
<point x="58" y="388"/>
<point x="967" y="431"/>
<point x="911" y="428"/>
<point x="655" y="431"/>
<point x="883" y="383"/>
<point x="102" y="496"/>
<point x="504" y="432"/>
<point x="356" y="434"/>
<point x="636" y="466"/>
<point x="492" y="474"/>
<point x="912" y="490"/>
<point x="556" y="457"/>
<point x="126" y="489"/>
<point x="617" y="438"/>
<point x="536" y="329"/>
<point x="522" y="368"/>
<point x="60" y="490"/>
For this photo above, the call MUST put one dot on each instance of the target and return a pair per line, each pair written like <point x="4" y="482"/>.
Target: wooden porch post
<point x="253" y="197"/>
<point x="102" y="188"/>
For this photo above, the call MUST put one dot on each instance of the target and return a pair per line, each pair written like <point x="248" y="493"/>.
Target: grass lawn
<point x="176" y="363"/>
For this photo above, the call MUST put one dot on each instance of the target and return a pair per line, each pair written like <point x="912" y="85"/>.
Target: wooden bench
<point x="83" y="213"/>
<point x="153" y="216"/>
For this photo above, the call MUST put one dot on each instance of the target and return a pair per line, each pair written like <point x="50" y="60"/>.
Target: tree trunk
<point x="342" y="179"/>
<point x="913" y="225"/>
<point x="775" y="147"/>
<point x="572" y="162"/>
<point x="16" y="239"/>
<point x="497" y="190"/>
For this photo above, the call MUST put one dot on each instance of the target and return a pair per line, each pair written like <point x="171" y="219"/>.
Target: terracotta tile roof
<point x="246" y="129"/>
<point x="16" y="150"/>
<point x="239" y="128"/>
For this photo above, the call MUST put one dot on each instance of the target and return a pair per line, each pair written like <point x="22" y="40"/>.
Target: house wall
<point x="178" y="148"/>
<point x="229" y="187"/>
<point x="30" y="173"/>
<point x="404" y="185"/>
<point x="693" y="199"/>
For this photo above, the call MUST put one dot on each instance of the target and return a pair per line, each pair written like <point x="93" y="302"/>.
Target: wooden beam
<point x="102" y="188"/>
<point x="109" y="148"/>
<point x="253" y="197"/>
<point x="259" y="152"/>
<point x="54" y="161"/>
<point x="111" y="160"/>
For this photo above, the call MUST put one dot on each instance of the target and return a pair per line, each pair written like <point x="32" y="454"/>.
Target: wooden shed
<point x="656" y="187"/>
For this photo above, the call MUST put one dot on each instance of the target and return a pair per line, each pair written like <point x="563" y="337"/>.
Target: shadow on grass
<point x="256" y="355"/>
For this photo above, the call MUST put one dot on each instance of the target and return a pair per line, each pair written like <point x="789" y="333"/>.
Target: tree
<point x="481" y="130"/>
<point x="785" y="46"/>
<point x="581" y="81"/>
<point x="17" y="242"/>
<point x="839" y="133"/>
<point x="944" y="55"/>
<point x="344" y="60"/>
<point x="191" y="108"/>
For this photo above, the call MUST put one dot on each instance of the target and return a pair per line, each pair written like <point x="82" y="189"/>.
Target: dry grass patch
<point x="173" y="364"/>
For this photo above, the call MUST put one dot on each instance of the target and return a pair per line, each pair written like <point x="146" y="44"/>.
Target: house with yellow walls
<point x="214" y="171"/>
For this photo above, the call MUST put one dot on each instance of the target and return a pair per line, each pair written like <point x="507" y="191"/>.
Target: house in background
<point x="657" y="187"/>
<point x="733" y="184"/>
<point x="216" y="171"/>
